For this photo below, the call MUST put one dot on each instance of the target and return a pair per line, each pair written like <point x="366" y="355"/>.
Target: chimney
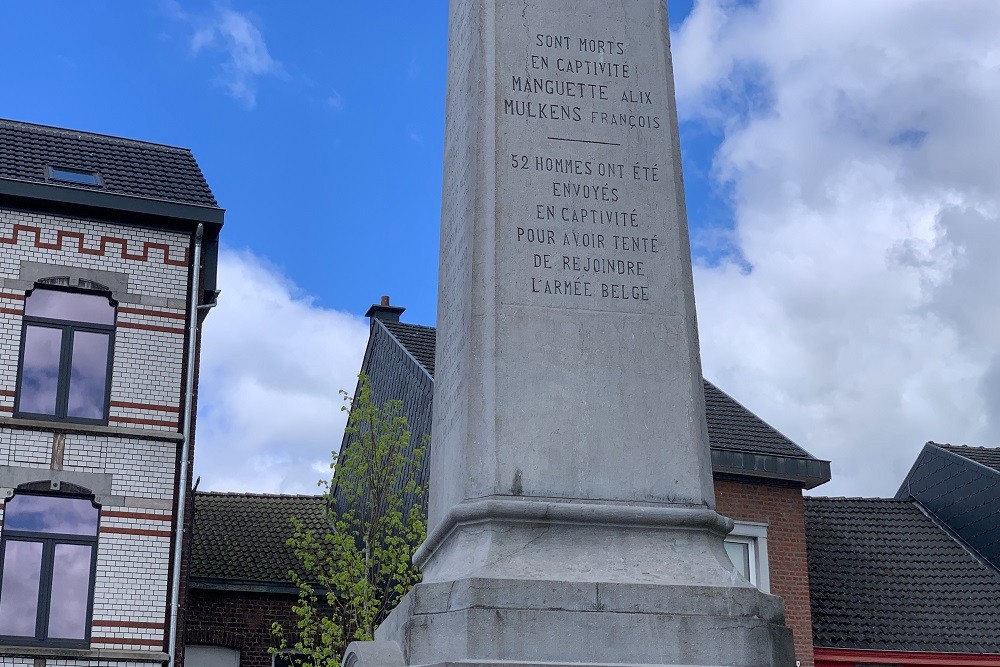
<point x="384" y="312"/>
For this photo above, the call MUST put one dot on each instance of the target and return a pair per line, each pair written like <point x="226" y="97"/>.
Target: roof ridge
<point x="65" y="131"/>
<point x="411" y="324"/>
<point x="948" y="444"/>
<point x="238" y="494"/>
<point x="407" y="351"/>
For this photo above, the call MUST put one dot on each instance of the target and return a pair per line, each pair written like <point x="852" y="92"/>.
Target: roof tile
<point x="127" y="167"/>
<point x="884" y="576"/>
<point x="987" y="456"/>
<point x="241" y="537"/>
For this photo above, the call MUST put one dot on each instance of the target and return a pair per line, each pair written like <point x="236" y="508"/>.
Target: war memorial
<point x="572" y="513"/>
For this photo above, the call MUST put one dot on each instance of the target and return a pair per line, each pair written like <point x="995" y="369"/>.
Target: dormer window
<point x="76" y="176"/>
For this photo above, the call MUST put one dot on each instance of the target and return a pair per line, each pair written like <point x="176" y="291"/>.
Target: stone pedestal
<point x="571" y="583"/>
<point x="571" y="503"/>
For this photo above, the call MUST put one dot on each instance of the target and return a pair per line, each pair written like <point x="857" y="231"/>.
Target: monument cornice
<point x="553" y="512"/>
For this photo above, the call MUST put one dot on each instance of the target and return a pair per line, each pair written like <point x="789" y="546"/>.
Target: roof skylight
<point x="78" y="176"/>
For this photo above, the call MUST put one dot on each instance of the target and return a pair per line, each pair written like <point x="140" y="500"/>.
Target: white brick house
<point x="98" y="240"/>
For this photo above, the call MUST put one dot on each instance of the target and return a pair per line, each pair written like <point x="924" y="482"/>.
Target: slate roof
<point x="884" y="576"/>
<point x="241" y="537"/>
<point x="418" y="341"/>
<point x="987" y="456"/>
<point x="731" y="426"/>
<point x="128" y="167"/>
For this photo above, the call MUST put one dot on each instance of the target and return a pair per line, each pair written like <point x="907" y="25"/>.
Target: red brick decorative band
<point x="152" y="313"/>
<point x="149" y="327"/>
<point x="136" y="531"/>
<point x="14" y="297"/>
<point x="11" y="311"/>
<point x="136" y="406"/>
<point x="137" y="515"/>
<point x="6" y="392"/>
<point x="128" y="624"/>
<point x="125" y="640"/>
<point x="143" y="422"/>
<point x="106" y="241"/>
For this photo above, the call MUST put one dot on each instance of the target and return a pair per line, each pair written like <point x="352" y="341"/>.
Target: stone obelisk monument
<point x="571" y="502"/>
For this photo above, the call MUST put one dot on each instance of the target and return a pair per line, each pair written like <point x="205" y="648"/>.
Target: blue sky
<point x="839" y="161"/>
<point x="325" y="147"/>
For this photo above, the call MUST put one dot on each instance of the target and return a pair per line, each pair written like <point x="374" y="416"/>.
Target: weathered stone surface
<point x="373" y="654"/>
<point x="554" y="381"/>
<point x="571" y="503"/>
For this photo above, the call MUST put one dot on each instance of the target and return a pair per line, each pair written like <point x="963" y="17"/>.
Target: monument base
<point x="528" y="582"/>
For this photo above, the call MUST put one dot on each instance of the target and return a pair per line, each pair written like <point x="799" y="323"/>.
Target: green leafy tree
<point x="354" y="574"/>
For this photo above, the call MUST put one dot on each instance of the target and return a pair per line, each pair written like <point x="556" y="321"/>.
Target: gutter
<point x="808" y="472"/>
<point x="246" y="586"/>
<point x="182" y="494"/>
<point x="46" y="192"/>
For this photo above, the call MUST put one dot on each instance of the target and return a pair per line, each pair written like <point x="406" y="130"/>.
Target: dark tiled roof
<point x="987" y="456"/>
<point x="418" y="341"/>
<point x="241" y="537"/>
<point x="883" y="576"/>
<point x="730" y="425"/>
<point x="128" y="167"/>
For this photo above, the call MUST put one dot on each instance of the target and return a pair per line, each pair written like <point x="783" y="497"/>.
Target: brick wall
<point x="240" y="621"/>
<point x="151" y="273"/>
<point x="782" y="509"/>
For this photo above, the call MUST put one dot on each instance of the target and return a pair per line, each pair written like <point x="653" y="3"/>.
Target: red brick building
<point x="239" y="566"/>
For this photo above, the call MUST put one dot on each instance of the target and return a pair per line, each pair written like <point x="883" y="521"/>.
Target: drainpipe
<point x="192" y="341"/>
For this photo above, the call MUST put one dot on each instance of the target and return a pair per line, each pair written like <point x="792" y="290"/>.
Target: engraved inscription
<point x="588" y="230"/>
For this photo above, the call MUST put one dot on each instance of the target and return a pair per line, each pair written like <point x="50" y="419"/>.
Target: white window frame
<point x="755" y="536"/>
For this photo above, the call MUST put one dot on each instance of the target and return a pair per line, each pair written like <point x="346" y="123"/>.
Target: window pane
<point x="89" y="375"/>
<point x="70" y="591"/>
<point x="74" y="176"/>
<point x="69" y="306"/>
<point x="22" y="569"/>
<point x="739" y="553"/>
<point x="211" y="656"/>
<point x="40" y="370"/>
<point x="50" y="514"/>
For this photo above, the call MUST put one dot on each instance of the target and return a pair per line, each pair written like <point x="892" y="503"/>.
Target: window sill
<point x="84" y="653"/>
<point x="90" y="429"/>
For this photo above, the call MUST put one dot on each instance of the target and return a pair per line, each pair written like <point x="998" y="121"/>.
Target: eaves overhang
<point x="67" y="198"/>
<point x="243" y="586"/>
<point x="809" y="473"/>
<point x="248" y="586"/>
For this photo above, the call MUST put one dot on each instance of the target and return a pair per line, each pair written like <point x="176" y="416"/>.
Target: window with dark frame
<point x="48" y="553"/>
<point x="67" y="343"/>
<point x="77" y="176"/>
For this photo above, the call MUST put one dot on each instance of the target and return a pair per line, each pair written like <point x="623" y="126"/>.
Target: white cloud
<point x="236" y="37"/>
<point x="335" y="101"/>
<point x="273" y="364"/>
<point x="860" y="144"/>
